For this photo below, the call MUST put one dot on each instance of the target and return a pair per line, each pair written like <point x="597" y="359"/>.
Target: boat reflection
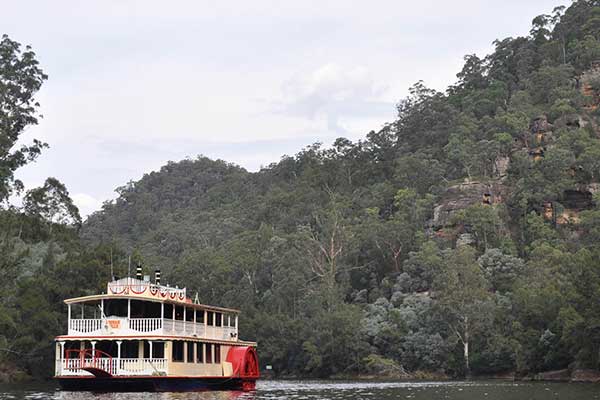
<point x="208" y="395"/>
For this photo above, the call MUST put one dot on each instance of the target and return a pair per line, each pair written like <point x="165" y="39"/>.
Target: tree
<point x="461" y="295"/>
<point x="52" y="203"/>
<point x="422" y="266"/>
<point x="501" y="270"/>
<point x="325" y="244"/>
<point x="484" y="222"/>
<point x="20" y="79"/>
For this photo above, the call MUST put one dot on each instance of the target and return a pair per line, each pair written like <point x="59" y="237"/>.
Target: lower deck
<point x="148" y="357"/>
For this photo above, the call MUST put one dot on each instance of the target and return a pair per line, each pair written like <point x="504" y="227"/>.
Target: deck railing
<point x="85" y="325"/>
<point x="123" y="366"/>
<point x="155" y="326"/>
<point x="145" y="324"/>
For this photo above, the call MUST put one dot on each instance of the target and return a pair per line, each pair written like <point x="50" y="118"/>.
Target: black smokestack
<point x="157" y="276"/>
<point x="138" y="272"/>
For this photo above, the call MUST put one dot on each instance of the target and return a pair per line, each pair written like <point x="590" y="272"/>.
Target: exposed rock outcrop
<point x="540" y="124"/>
<point x="463" y="195"/>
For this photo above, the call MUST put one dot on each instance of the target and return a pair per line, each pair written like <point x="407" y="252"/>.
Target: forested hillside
<point x="462" y="238"/>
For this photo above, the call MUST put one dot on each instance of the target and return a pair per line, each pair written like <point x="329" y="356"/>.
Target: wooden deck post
<point x="205" y="323"/>
<point x="118" y="356"/>
<point x="195" y="322"/>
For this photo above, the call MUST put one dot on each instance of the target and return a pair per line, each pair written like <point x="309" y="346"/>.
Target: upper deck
<point x="138" y="308"/>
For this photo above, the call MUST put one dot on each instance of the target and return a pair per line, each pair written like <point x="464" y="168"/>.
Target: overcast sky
<point x="134" y="84"/>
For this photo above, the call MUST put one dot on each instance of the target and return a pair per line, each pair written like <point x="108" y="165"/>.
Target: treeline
<point x="339" y="257"/>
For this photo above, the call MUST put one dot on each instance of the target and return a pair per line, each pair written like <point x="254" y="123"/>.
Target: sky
<point x="134" y="84"/>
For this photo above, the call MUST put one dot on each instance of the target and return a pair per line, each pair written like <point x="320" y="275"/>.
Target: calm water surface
<point x="301" y="390"/>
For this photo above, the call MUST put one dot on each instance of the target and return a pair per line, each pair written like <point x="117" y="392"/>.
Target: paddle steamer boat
<point x="143" y="336"/>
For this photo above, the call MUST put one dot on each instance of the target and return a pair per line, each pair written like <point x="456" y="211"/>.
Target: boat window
<point x="168" y="311"/>
<point x="115" y="308"/>
<point x="190" y="352"/>
<point x="179" y="313"/>
<point x="218" y="319"/>
<point x="200" y="316"/>
<point x="89" y="310"/>
<point x="200" y="353"/>
<point x="147" y="349"/>
<point x="189" y="314"/>
<point x="158" y="350"/>
<point x="208" y="353"/>
<point x="107" y="346"/>
<point x="217" y="353"/>
<point x="178" y="351"/>
<point x="210" y="317"/>
<point x="72" y="345"/>
<point x="130" y="349"/>
<point x="145" y="309"/>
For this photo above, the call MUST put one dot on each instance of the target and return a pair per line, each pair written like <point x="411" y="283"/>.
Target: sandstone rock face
<point x="593" y="188"/>
<point x="461" y="196"/>
<point x="465" y="239"/>
<point x="573" y="121"/>
<point x="540" y="125"/>
<point x="502" y="166"/>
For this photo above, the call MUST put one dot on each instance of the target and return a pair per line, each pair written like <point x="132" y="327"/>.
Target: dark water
<point x="301" y="390"/>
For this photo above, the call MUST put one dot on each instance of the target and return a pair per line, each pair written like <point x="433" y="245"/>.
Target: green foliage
<point x="21" y="78"/>
<point x="52" y="203"/>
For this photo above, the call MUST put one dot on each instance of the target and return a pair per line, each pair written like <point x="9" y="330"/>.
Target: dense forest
<point x="460" y="239"/>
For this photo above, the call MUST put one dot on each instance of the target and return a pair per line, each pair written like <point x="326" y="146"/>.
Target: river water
<point x="338" y="390"/>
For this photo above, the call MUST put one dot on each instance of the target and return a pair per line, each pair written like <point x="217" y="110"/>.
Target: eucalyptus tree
<point x="20" y="79"/>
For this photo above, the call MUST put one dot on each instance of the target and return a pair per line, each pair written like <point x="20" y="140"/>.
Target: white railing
<point x="132" y="286"/>
<point x="142" y="366"/>
<point x="85" y="325"/>
<point x="145" y="324"/>
<point x="185" y="328"/>
<point x="155" y="326"/>
<point x="116" y="367"/>
<point x="71" y="367"/>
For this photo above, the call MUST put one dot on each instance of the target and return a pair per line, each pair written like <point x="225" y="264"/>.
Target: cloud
<point x="333" y="92"/>
<point x="86" y="204"/>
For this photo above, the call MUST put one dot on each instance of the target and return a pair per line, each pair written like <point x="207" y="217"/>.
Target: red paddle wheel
<point x="244" y="362"/>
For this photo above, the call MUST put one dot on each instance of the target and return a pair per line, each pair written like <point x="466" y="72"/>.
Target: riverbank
<point x="564" y="375"/>
<point x="361" y="390"/>
<point x="9" y="374"/>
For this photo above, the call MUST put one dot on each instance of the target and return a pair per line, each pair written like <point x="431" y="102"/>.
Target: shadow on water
<point x="339" y="390"/>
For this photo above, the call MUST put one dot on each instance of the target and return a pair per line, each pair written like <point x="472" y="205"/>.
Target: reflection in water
<point x="335" y="390"/>
<point x="208" y="395"/>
